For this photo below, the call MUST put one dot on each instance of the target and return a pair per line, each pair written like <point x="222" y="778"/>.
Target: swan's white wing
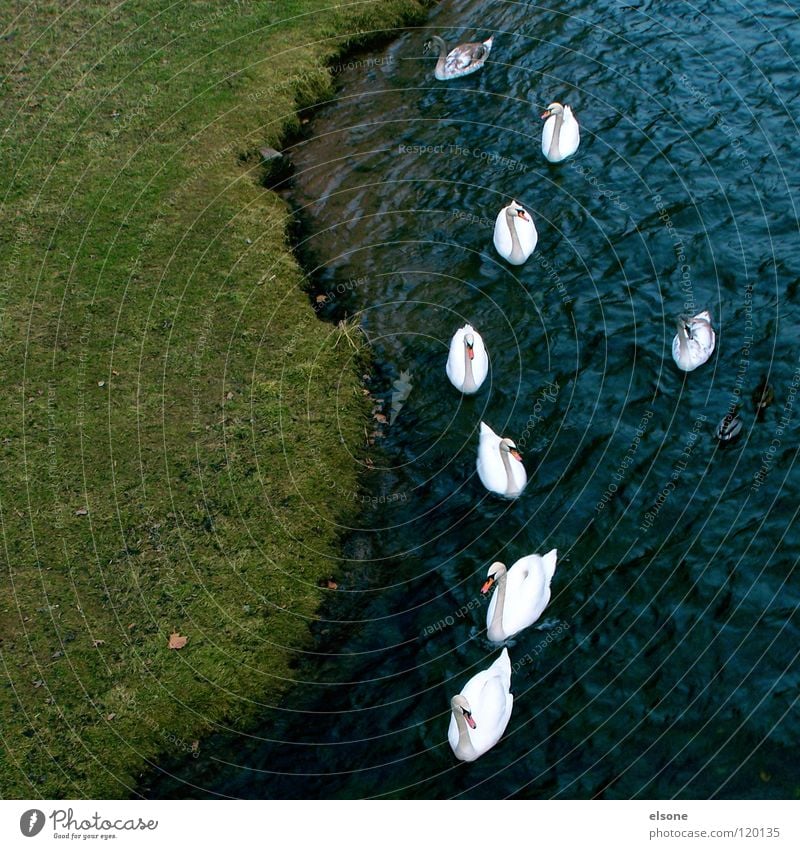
<point x="455" y="360"/>
<point x="466" y="58"/>
<point x="480" y="365"/>
<point x="502" y="235"/>
<point x="527" y="234"/>
<point x="550" y="560"/>
<point x="518" y="473"/>
<point x="456" y="60"/>
<point x="527" y="593"/>
<point x="502" y="667"/>
<point x="547" y="133"/>
<point x="703" y="333"/>
<point x="490" y="464"/>
<point x="490" y="700"/>
<point x="570" y="136"/>
<point x="676" y="350"/>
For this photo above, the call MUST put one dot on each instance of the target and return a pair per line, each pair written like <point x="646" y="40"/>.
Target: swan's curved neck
<point x="469" y="377"/>
<point x="496" y="627"/>
<point x="516" y="247"/>
<point x="510" y="483"/>
<point x="440" y="43"/>
<point x="554" y="141"/>
<point x="465" y="747"/>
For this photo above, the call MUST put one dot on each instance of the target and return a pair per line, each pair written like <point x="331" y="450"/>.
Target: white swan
<point x="521" y="596"/>
<point x="480" y="712"/>
<point x="460" y="61"/>
<point x="694" y="342"/>
<point x="500" y="464"/>
<point x="561" y="134"/>
<point x="468" y="362"/>
<point x="515" y="235"/>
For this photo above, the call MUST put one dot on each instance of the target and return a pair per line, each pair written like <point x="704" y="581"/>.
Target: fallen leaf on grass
<point x="176" y="641"/>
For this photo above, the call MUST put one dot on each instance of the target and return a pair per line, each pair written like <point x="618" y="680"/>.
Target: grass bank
<point x="178" y="429"/>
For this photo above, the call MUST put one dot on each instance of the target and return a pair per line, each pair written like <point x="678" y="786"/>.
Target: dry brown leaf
<point x="176" y="641"/>
<point x="379" y="417"/>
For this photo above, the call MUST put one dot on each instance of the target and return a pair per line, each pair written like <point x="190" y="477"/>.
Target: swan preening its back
<point x="521" y="595"/>
<point x="460" y="61"/>
<point x="468" y="362"/>
<point x="500" y="464"/>
<point x="561" y="134"/>
<point x="694" y="342"/>
<point x="515" y="235"/>
<point x="480" y="712"/>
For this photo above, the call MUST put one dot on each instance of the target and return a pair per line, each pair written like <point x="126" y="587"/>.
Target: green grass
<point x="179" y="430"/>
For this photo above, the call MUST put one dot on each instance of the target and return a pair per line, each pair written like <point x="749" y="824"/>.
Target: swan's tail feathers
<point x="550" y="563"/>
<point x="503" y="664"/>
<point x="705" y="315"/>
<point x="486" y="430"/>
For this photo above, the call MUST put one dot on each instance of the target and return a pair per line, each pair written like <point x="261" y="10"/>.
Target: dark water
<point x="667" y="662"/>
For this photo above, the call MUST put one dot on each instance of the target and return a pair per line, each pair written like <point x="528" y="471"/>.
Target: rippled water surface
<point x="666" y="664"/>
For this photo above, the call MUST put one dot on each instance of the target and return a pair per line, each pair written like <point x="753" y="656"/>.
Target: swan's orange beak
<point x="546" y="114"/>
<point x="487" y="586"/>
<point x="515" y="454"/>
<point x="470" y="352"/>
<point x="470" y="720"/>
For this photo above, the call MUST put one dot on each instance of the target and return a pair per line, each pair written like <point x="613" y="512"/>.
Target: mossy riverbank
<point x="174" y="412"/>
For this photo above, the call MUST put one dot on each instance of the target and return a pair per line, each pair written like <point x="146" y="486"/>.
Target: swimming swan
<point x="522" y="593"/>
<point x="460" y="61"/>
<point x="515" y="235"/>
<point x="480" y="712"/>
<point x="468" y="362"/>
<point x="694" y="342"/>
<point x="561" y="134"/>
<point x="500" y="464"/>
